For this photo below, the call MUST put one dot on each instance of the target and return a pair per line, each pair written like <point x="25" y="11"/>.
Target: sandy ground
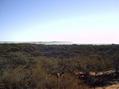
<point x="114" y="86"/>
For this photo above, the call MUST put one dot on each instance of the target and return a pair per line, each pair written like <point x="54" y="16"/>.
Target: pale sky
<point x="78" y="21"/>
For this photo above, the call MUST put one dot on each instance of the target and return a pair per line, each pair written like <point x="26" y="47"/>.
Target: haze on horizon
<point x="79" y="21"/>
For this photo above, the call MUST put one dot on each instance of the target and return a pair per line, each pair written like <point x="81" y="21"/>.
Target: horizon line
<point x="56" y="42"/>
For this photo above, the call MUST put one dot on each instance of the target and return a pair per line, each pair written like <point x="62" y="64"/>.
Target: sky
<point x="77" y="21"/>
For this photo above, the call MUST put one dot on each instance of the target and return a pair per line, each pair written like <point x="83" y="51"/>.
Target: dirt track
<point x="114" y="86"/>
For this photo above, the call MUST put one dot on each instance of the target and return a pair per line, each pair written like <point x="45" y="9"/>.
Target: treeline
<point x="34" y="66"/>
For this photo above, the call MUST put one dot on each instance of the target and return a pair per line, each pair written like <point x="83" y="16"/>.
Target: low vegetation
<point x="35" y="66"/>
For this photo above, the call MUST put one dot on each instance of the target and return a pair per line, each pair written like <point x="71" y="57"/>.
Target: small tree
<point x="116" y="65"/>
